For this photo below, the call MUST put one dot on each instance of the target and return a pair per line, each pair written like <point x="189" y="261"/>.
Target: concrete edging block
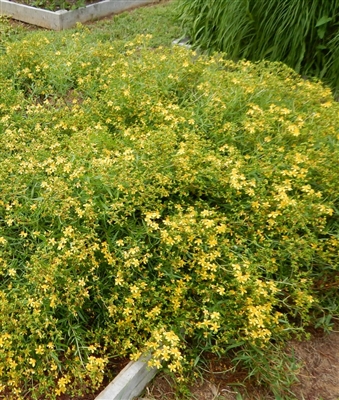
<point x="63" y="19"/>
<point x="130" y="382"/>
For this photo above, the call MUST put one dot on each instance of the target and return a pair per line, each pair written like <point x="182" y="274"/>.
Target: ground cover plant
<point x="302" y="34"/>
<point x="154" y="199"/>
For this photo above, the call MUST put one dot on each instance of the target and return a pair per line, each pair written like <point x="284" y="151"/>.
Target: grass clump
<point x="157" y="200"/>
<point x="302" y="34"/>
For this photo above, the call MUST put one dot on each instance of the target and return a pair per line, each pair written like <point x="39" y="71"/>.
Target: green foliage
<point x="302" y="34"/>
<point x="156" y="200"/>
<point x="160" y="21"/>
<point x="271" y="368"/>
<point x="55" y="5"/>
<point x="6" y="32"/>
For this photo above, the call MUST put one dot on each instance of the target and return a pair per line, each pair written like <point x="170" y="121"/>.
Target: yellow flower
<point x="293" y="129"/>
<point x="32" y="361"/>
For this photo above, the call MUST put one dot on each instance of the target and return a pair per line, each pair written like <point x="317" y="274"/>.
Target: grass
<point x="160" y="21"/>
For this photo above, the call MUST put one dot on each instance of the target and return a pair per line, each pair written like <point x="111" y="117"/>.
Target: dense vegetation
<point x="157" y="199"/>
<point x="302" y="34"/>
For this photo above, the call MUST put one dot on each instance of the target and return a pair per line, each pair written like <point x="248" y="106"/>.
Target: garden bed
<point x="63" y="19"/>
<point x="157" y="200"/>
<point x="55" y="5"/>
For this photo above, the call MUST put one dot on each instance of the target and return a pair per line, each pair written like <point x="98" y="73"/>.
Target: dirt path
<point x="319" y="378"/>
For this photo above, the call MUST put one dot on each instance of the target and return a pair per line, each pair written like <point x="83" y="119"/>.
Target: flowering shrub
<point x="157" y="200"/>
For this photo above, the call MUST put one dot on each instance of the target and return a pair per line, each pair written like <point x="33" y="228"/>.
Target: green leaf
<point x="323" y="20"/>
<point x="321" y="32"/>
<point x="321" y="47"/>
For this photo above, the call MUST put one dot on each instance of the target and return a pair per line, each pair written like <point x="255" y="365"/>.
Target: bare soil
<point x="319" y="377"/>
